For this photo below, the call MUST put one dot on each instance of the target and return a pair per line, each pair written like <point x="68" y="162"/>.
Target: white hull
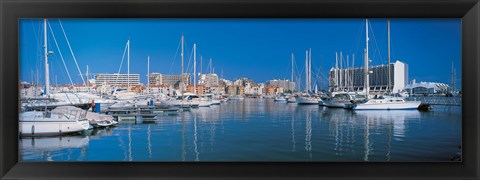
<point x="216" y="102"/>
<point x="336" y="103"/>
<point x="179" y="103"/>
<point x="407" y="105"/>
<point x="204" y="103"/>
<point x="307" y="100"/>
<point x="34" y="124"/>
<point x="291" y="100"/>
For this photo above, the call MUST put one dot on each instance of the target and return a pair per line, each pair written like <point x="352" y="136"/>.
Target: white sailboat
<point x="307" y="98"/>
<point x="38" y="123"/>
<point x="382" y="102"/>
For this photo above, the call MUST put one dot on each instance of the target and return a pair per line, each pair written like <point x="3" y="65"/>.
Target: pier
<point x="121" y="114"/>
<point x="428" y="101"/>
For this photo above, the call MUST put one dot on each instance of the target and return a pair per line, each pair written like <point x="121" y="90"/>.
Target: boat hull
<point x="389" y="106"/>
<point x="336" y="104"/>
<point x="51" y="128"/>
<point x="307" y="100"/>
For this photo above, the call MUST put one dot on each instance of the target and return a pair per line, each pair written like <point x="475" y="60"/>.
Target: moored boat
<point x="48" y="123"/>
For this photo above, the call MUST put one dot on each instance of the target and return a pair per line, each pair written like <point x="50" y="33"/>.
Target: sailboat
<point x="340" y="98"/>
<point x="39" y="123"/>
<point x="307" y="98"/>
<point x="290" y="97"/>
<point x="382" y="102"/>
<point x="184" y="101"/>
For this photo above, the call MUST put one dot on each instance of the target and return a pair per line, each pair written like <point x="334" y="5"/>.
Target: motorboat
<point x="308" y="100"/>
<point x="280" y="98"/>
<point x="386" y="103"/>
<point x="342" y="99"/>
<point x="50" y="123"/>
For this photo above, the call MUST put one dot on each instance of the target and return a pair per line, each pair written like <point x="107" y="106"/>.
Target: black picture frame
<point x="12" y="10"/>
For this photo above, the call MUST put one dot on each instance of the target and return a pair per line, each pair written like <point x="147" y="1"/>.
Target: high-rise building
<point x="352" y="79"/>
<point x="174" y="80"/>
<point x="117" y="79"/>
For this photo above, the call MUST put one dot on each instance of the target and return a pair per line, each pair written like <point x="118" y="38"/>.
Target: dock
<point x="428" y="101"/>
<point x="121" y="114"/>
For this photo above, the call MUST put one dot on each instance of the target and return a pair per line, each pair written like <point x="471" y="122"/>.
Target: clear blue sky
<point x="259" y="49"/>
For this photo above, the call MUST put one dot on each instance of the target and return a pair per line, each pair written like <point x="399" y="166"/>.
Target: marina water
<point x="264" y="130"/>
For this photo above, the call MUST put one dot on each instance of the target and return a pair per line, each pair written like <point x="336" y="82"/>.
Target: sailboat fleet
<point x="63" y="116"/>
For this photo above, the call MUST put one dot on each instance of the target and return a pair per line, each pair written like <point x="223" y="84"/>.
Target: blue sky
<point x="259" y="49"/>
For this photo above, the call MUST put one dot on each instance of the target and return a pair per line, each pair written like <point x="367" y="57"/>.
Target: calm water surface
<point x="264" y="130"/>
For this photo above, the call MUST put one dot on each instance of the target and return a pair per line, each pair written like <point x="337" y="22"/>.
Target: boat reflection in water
<point x="262" y="130"/>
<point x="46" y="147"/>
<point x="391" y="121"/>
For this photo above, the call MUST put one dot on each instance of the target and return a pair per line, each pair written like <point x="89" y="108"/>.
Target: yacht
<point x="308" y="100"/>
<point x="291" y="99"/>
<point x="50" y="123"/>
<point x="387" y="103"/>
<point x="381" y="102"/>
<point x="280" y="98"/>
<point x="342" y="100"/>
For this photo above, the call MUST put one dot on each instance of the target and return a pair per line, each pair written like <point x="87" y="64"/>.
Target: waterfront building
<point x="219" y="90"/>
<point x="30" y="90"/>
<point x="236" y="90"/>
<point x="242" y="82"/>
<point x="254" y="89"/>
<point x="117" y="79"/>
<point x="286" y="84"/>
<point x="174" y="80"/>
<point x="138" y="88"/>
<point x="159" y="89"/>
<point x="225" y="82"/>
<point x="352" y="79"/>
<point x="61" y="88"/>
<point x="201" y="89"/>
<point x="208" y="80"/>
<point x="82" y="88"/>
<point x="427" y="88"/>
<point x="274" y="90"/>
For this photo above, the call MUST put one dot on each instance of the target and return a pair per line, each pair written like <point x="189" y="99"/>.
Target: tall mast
<point x="310" y="69"/>
<point x="86" y="78"/>
<point x="148" y="74"/>
<point x="306" y="71"/>
<point x="366" y="81"/>
<point x="181" y="75"/>
<point x="336" y="71"/>
<point x="292" y="73"/>
<point x="292" y="68"/>
<point x="389" y="80"/>
<point x="128" y="65"/>
<point x="347" y="77"/>
<point x="211" y="66"/>
<point x="341" y="69"/>
<point x="201" y="64"/>
<point x="47" y="75"/>
<point x="194" y="68"/>
<point x="353" y="70"/>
